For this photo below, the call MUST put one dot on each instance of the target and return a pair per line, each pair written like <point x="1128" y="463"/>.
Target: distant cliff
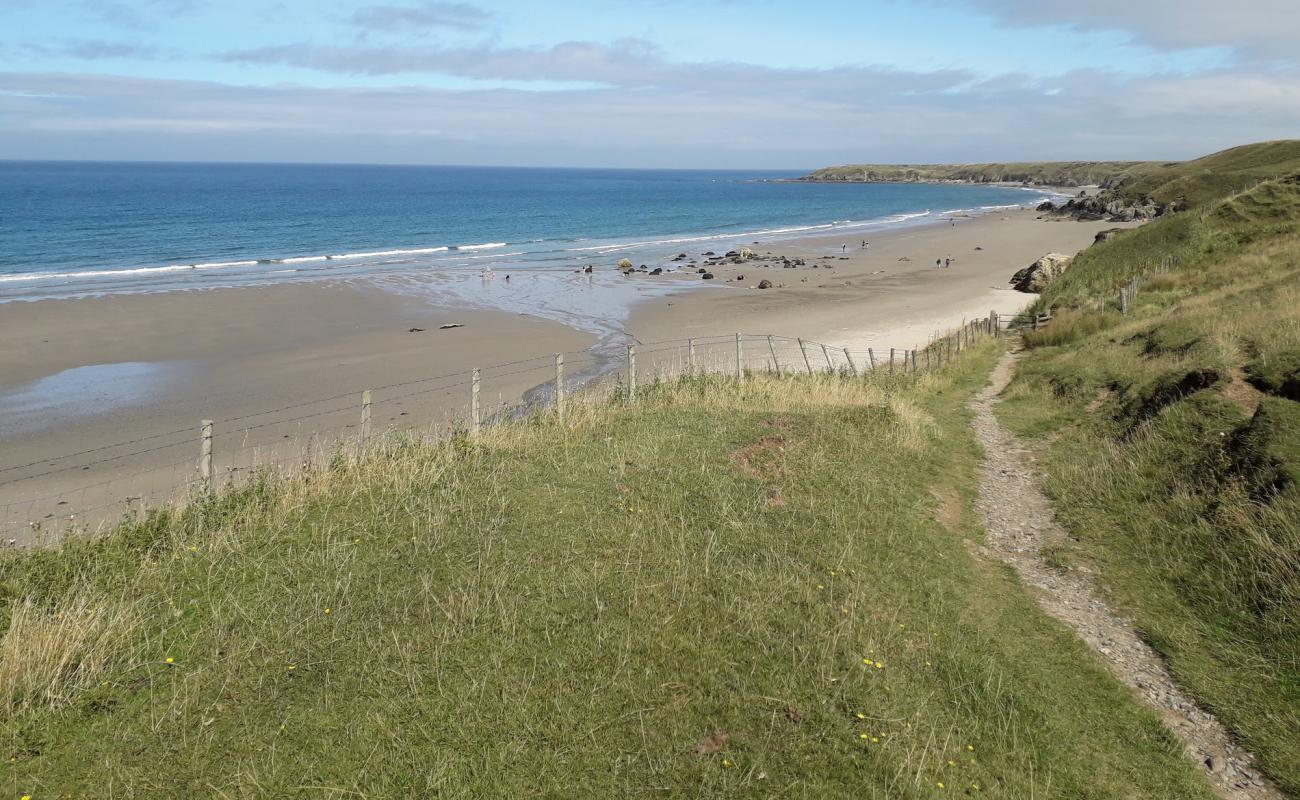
<point x="1033" y="173"/>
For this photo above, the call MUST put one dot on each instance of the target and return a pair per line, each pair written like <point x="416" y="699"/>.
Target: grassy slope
<point x="1063" y="173"/>
<point x="1176" y="487"/>
<point x="567" y="611"/>
<point x="1213" y="176"/>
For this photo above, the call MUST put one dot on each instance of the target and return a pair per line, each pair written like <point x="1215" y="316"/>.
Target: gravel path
<point x="1020" y="522"/>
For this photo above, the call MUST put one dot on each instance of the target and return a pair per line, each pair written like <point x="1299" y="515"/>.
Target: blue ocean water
<point x="69" y="229"/>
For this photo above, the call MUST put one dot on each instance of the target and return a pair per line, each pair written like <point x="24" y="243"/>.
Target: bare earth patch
<point x="947" y="510"/>
<point x="764" y="459"/>
<point x="1020" y="523"/>
<point x="1238" y="391"/>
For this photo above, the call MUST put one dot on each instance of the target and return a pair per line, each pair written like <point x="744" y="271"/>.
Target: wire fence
<point x="42" y="500"/>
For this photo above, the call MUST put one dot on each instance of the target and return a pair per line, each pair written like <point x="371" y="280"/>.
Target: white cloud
<point x="888" y="116"/>
<point x="1259" y="29"/>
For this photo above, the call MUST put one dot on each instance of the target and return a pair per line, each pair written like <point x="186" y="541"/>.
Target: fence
<point x="46" y="497"/>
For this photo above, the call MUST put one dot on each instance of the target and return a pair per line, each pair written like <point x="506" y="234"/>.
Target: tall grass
<point x="1175" y="450"/>
<point x="721" y="590"/>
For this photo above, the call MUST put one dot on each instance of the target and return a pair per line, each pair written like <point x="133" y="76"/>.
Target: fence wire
<point x="44" y="499"/>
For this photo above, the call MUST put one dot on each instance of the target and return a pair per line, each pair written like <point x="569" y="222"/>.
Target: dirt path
<point x="1020" y="522"/>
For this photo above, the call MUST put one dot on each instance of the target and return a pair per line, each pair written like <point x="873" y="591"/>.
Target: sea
<point x="75" y="229"/>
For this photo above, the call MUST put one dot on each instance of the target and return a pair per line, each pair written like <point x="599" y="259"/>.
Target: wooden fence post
<point x="871" y="358"/>
<point x="830" y="365"/>
<point x="852" y="366"/>
<point x="690" y="355"/>
<point x="776" y="362"/>
<point x="740" y="361"/>
<point x="559" y="385"/>
<point x="365" y="419"/>
<point x="891" y="361"/>
<point x="205" y="454"/>
<point x="806" y="362"/>
<point x="913" y="361"/>
<point x="475" y="420"/>
<point x="631" y="373"/>
<point x="927" y="359"/>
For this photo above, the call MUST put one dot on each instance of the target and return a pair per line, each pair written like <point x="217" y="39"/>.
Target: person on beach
<point x="844" y="248"/>
<point x="938" y="262"/>
<point x="947" y="262"/>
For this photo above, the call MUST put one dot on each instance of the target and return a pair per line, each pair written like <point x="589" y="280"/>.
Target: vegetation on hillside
<point x="1175" y="441"/>
<point x="722" y="591"/>
<point x="1040" y="173"/>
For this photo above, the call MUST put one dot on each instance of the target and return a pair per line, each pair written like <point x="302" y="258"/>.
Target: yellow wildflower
<point x="170" y="660"/>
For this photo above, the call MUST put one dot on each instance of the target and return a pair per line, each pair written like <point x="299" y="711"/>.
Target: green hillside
<point x="1174" y="433"/>
<point x="1214" y="176"/>
<point x="724" y="592"/>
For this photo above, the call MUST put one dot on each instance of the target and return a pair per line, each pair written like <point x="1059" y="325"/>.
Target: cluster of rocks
<point x="709" y="261"/>
<point x="1103" y="208"/>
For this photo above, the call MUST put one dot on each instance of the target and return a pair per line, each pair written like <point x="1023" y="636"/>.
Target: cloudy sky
<point x="644" y="83"/>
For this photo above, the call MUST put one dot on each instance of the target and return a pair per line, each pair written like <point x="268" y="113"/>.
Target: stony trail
<point x="1019" y="520"/>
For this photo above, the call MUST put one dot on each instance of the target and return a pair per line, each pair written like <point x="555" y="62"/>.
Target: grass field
<point x="1174" y="454"/>
<point x="722" y="591"/>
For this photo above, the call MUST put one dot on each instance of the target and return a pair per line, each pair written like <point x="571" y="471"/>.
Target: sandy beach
<point x="888" y="294"/>
<point x="101" y="398"/>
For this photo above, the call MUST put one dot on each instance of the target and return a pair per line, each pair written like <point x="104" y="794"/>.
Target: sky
<point x="772" y="84"/>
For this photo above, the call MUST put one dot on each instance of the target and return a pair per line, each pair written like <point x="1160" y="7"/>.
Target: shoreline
<point x="88" y="374"/>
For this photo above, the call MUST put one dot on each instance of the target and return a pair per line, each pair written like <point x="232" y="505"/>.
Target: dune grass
<point x="1175" y="453"/>
<point x="719" y="591"/>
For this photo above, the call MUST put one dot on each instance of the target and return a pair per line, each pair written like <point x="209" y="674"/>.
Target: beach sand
<point x="101" y="398"/>
<point x="79" y="375"/>
<point x="871" y="297"/>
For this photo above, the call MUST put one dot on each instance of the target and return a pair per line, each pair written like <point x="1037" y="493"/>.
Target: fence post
<point x="631" y="372"/>
<point x="891" y="361"/>
<point x="830" y="365"/>
<point x="776" y="362"/>
<point x="806" y="362"/>
<point x="993" y="323"/>
<point x="1123" y="303"/>
<point x="559" y="385"/>
<point x="852" y="367"/>
<point x="740" y="361"/>
<point x="690" y="355"/>
<point x="913" y="361"/>
<point x="927" y="359"/>
<point x="365" y="419"/>
<point x="871" y="359"/>
<point x="474" y="419"/>
<point x="205" y="454"/>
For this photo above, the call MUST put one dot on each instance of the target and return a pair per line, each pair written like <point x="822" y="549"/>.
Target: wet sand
<point x="84" y="375"/>
<point x="101" y="398"/>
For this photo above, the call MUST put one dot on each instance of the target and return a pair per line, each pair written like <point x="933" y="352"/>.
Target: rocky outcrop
<point x="1106" y="235"/>
<point x="1035" y="277"/>
<point x="1106" y="208"/>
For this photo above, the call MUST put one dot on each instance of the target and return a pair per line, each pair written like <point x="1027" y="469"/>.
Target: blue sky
<point x="720" y="83"/>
